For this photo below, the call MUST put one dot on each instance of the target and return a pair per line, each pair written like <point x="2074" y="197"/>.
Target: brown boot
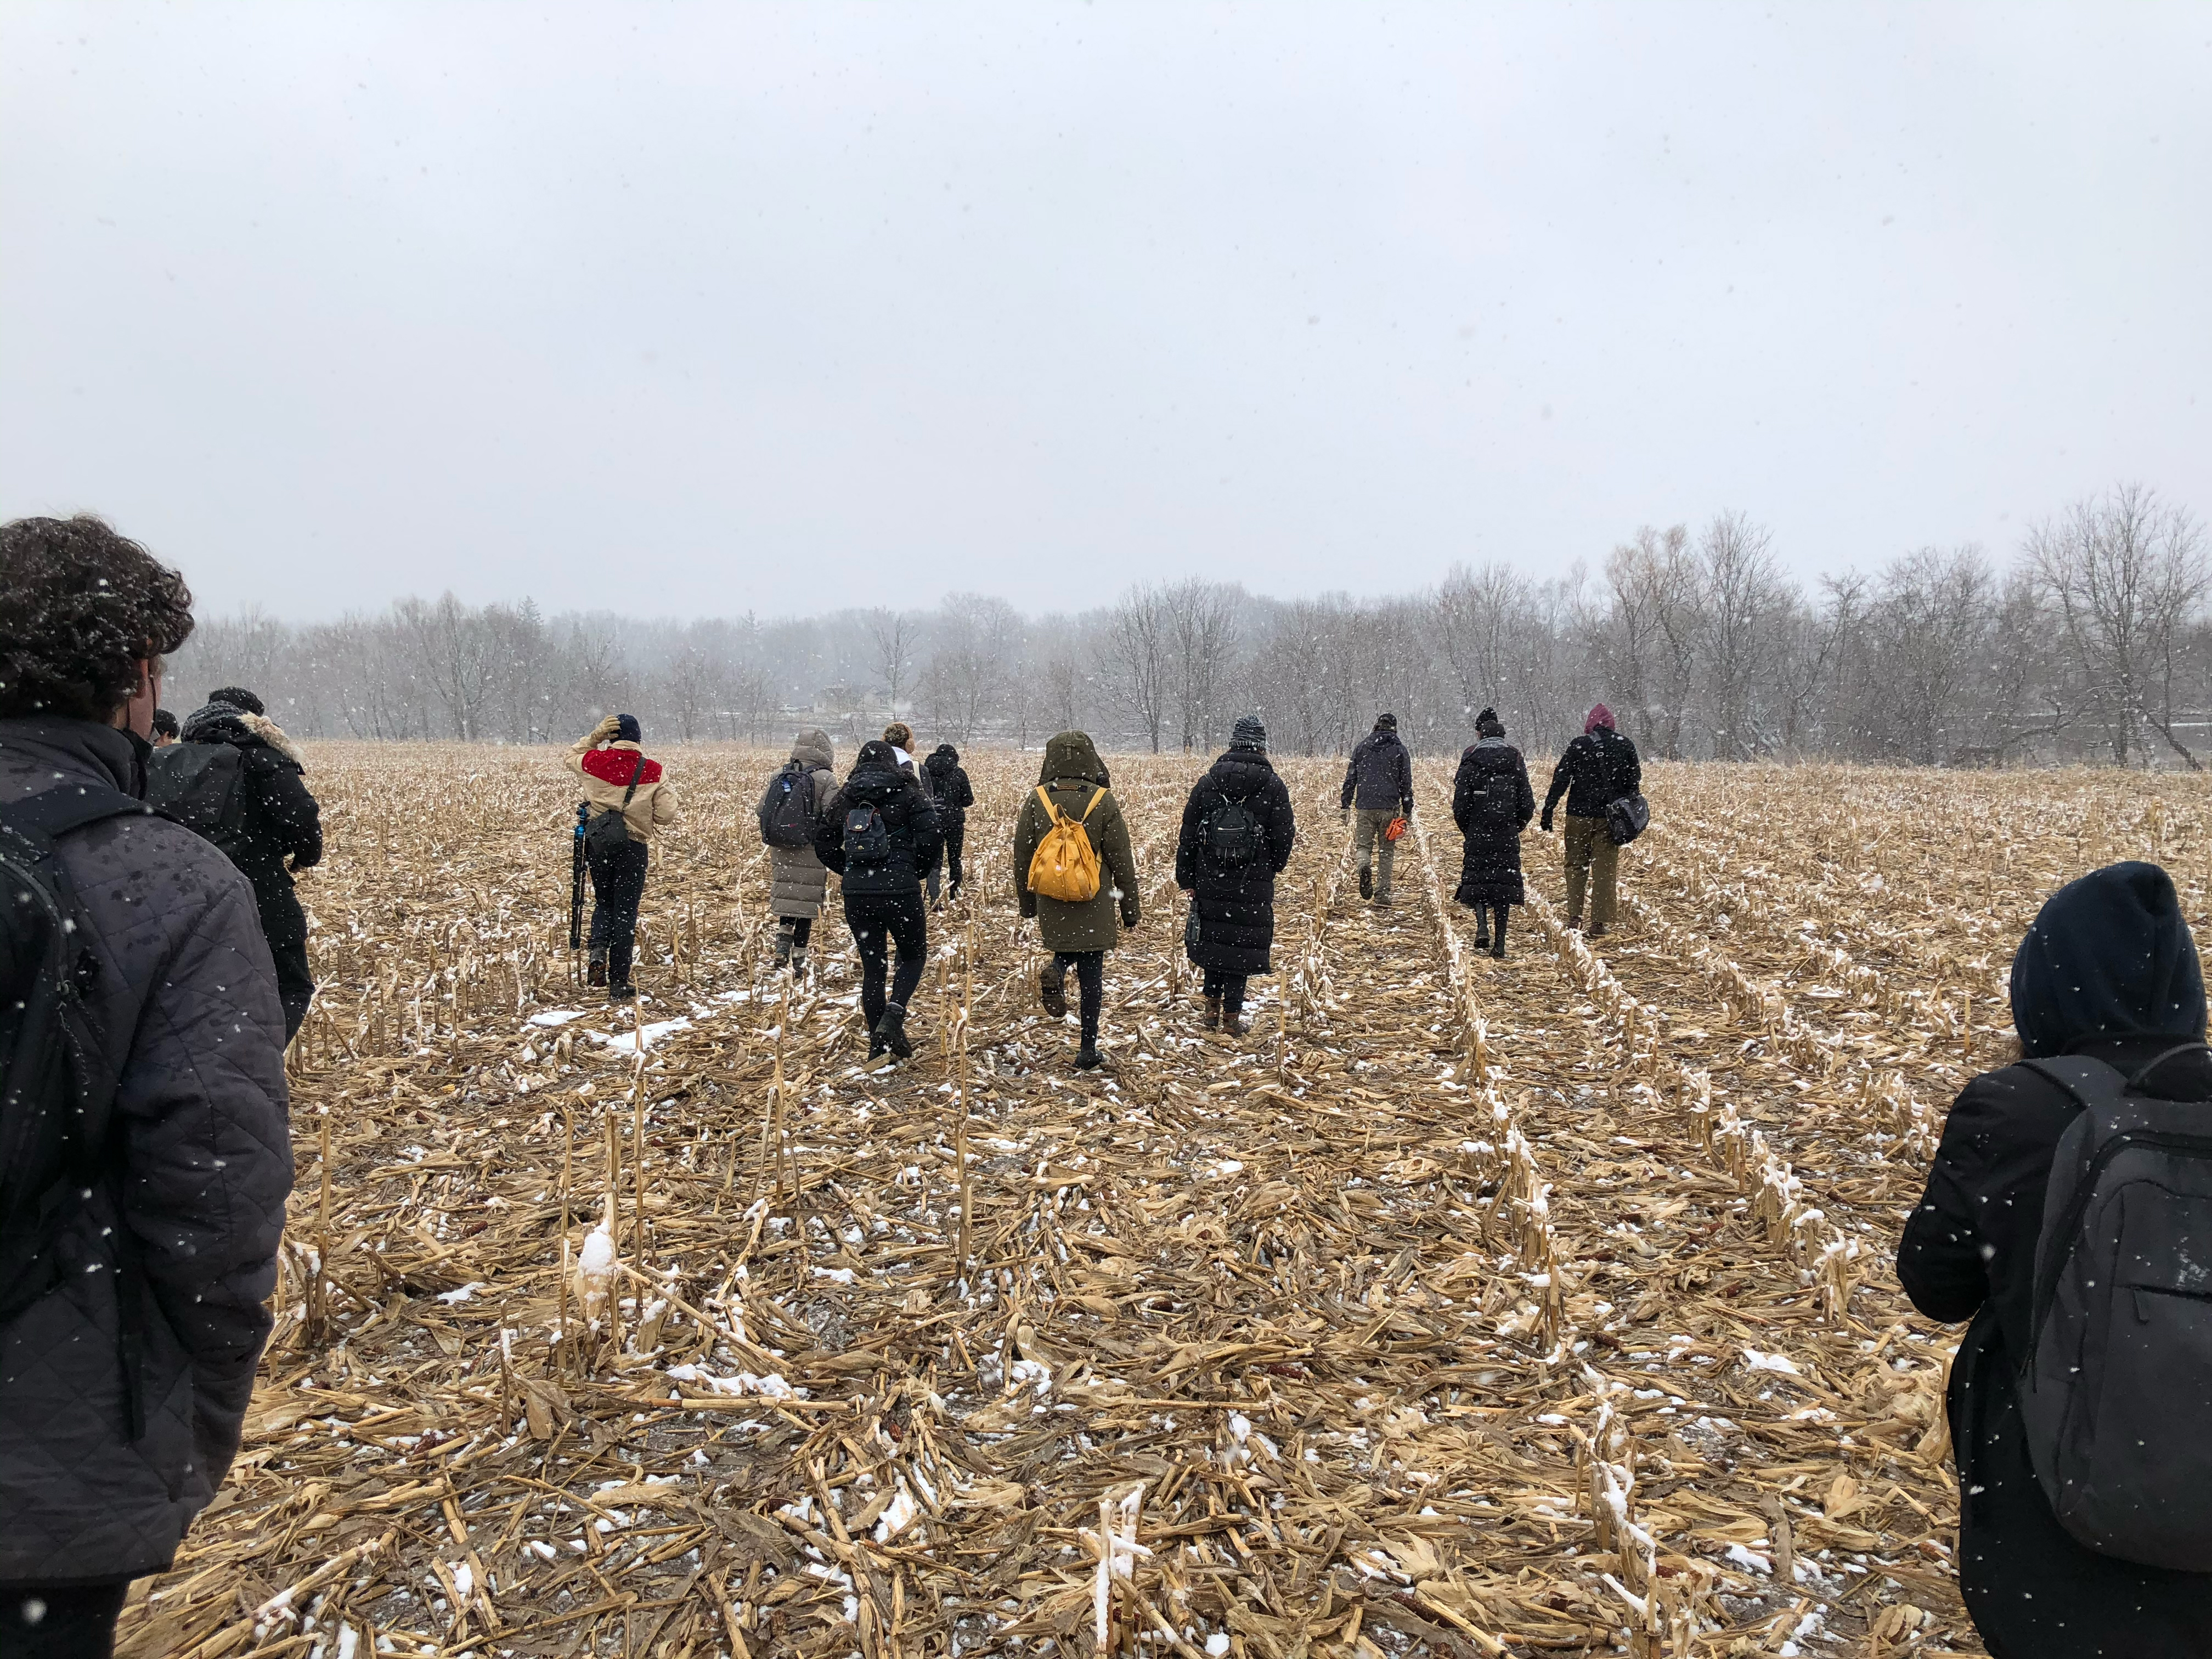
<point x="1212" y="1018"/>
<point x="595" y="972"/>
<point x="1234" y="1022"/>
<point x="1052" y="990"/>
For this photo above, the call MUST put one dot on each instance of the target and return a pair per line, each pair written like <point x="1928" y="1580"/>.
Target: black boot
<point x="1599" y="930"/>
<point x="1498" y="949"/>
<point x="1366" y="881"/>
<point x="1052" y="989"/>
<point x="622" y="992"/>
<point x="783" y="947"/>
<point x="1086" y="1057"/>
<point x="1482" y="930"/>
<point x="891" y="1028"/>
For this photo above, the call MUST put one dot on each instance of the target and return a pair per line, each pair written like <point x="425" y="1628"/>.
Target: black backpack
<point x="202" y="787"/>
<point x="787" y="810"/>
<point x="1230" y="835"/>
<point x="57" y="1091"/>
<point x="867" y="837"/>
<point x="2116" y="1390"/>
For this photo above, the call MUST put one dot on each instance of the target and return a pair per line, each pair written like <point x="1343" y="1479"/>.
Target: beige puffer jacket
<point x="800" y="885"/>
<point x="604" y="772"/>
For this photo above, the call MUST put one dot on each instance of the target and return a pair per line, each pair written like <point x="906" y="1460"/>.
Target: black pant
<point x="879" y="920"/>
<point x="1484" y="924"/>
<point x="1091" y="981"/>
<point x="618" y="885"/>
<point x="1228" y="987"/>
<point x="76" y="1623"/>
<point x="956" y="837"/>
<point x="801" y="928"/>
<point x="284" y="925"/>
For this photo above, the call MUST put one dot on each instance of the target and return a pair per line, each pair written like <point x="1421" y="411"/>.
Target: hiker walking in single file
<point x="1597" y="769"/>
<point x="1238" y="833"/>
<point x="880" y="833"/>
<point x="1074" y="872"/>
<point x="1491" y="803"/>
<point x="627" y="799"/>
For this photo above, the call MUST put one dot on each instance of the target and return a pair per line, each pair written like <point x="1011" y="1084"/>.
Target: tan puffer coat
<point x="800" y="884"/>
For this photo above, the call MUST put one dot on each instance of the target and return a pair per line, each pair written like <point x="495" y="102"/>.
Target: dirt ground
<point x="1540" y="1306"/>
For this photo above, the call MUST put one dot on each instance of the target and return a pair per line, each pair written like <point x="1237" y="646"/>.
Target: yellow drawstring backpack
<point x="1065" y="865"/>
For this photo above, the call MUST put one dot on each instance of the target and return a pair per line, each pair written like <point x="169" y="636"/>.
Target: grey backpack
<point x="2116" y="1396"/>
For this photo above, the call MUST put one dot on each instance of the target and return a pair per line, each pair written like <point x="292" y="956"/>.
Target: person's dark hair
<point x="164" y="724"/>
<point x="237" y="696"/>
<point x="79" y="606"/>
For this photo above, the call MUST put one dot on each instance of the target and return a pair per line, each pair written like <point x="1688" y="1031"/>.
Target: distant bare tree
<point x="1137" y="653"/>
<point x="2126" y="576"/>
<point x="1201" y="647"/>
<point x="979" y="643"/>
<point x="894" y="637"/>
<point x="1478" y="618"/>
<point x="1744" y="599"/>
<point x="452" y="650"/>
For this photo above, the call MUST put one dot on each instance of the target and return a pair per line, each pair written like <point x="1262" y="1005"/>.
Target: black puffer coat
<point x="1235" y="905"/>
<point x="1594" y="770"/>
<point x="877" y="780"/>
<point x="186" y="1001"/>
<point x="2109" y="972"/>
<point x="948" y="785"/>
<point x="1491" y="803"/>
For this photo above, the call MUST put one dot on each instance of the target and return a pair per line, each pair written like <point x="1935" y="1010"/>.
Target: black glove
<point x="1545" y="823"/>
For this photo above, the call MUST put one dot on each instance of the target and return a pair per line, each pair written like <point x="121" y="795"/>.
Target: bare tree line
<point x="2096" y="643"/>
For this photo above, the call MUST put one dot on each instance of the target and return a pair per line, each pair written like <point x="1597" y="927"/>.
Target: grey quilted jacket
<point x="186" y="1002"/>
<point x="800" y="883"/>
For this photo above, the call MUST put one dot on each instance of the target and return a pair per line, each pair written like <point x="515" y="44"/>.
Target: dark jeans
<point x="1091" y="981"/>
<point x="1230" y="988"/>
<point x="76" y="1623"/>
<point x="956" y="837"/>
<point x="618" y="885"/>
<point x="879" y="920"/>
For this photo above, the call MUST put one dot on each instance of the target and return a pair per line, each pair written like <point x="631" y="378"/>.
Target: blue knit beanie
<point x="626" y="729"/>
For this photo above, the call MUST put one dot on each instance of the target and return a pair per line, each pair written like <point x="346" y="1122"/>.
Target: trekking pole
<point x="576" y="885"/>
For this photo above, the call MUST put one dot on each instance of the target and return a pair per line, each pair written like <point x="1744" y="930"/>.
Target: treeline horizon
<point x="2092" y="642"/>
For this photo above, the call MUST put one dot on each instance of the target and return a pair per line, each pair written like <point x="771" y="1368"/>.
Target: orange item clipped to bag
<point x="1065" y="865"/>
<point x="1395" y="828"/>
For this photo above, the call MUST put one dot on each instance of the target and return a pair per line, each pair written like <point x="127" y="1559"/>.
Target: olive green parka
<point x="1071" y="774"/>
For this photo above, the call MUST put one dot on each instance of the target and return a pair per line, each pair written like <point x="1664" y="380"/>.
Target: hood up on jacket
<point x="1599" y="715"/>
<point x="2108" y="956"/>
<point x="876" y="776"/>
<point x="1072" y="755"/>
<point x="222" y="722"/>
<point x="811" y="750"/>
<point x="942" y="760"/>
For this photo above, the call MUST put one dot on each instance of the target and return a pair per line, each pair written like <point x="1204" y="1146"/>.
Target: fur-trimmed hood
<point x="219" y="722"/>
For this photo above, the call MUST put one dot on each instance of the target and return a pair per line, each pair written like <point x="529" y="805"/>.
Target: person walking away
<point x="1238" y="833"/>
<point x="943" y="775"/>
<point x="236" y="779"/>
<point x="1491" y="803"/>
<point x="151" y="1153"/>
<point x="165" y="728"/>
<point x="1594" y="770"/>
<point x="900" y="736"/>
<point x="1071" y="790"/>
<point x="1378" y="787"/>
<point x="880" y="834"/>
<point x="2107" y="993"/>
<point x="794" y="809"/>
<point x="628" y="798"/>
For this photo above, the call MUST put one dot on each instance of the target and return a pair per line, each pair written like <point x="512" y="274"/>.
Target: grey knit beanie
<point x="1251" y="732"/>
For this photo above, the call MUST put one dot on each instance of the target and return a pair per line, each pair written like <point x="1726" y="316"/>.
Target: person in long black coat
<point x="1491" y="803"/>
<point x="1232" y="928"/>
<point x="2108" y="971"/>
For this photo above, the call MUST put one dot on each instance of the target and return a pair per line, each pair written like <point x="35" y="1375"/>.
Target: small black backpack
<point x="202" y="787"/>
<point x="867" y="837"/>
<point x="2116" y="1390"/>
<point x="57" y="1091"/>
<point x="608" y="829"/>
<point x="1232" y="835"/>
<point x="787" y="810"/>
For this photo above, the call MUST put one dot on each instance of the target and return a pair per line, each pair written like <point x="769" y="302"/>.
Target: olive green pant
<point x="1592" y="860"/>
<point x="1368" y="842"/>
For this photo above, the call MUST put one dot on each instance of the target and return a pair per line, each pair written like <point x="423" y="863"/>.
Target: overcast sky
<point x="699" y="309"/>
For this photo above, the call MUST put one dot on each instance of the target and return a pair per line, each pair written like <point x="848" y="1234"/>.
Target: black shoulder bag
<point x="609" y="831"/>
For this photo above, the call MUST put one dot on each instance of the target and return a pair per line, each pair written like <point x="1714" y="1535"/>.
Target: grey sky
<point x="686" y="309"/>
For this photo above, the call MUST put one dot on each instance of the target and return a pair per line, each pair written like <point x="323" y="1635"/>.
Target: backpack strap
<point x="1094" y="801"/>
<point x="1051" y="810"/>
<point x="53" y="813"/>
<point x="2090" y="1083"/>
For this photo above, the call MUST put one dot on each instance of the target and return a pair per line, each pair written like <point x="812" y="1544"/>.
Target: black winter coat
<point x="1594" y="770"/>
<point x="948" y="784"/>
<point x="1491" y="803"/>
<point x="280" y="819"/>
<point x="185" y="1003"/>
<point x="912" y="821"/>
<point x="1379" y="776"/>
<point x="1235" y="905"/>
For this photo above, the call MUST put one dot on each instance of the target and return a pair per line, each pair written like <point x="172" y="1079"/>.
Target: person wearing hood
<point x="798" y="882"/>
<point x="946" y="779"/>
<point x="1238" y="833"/>
<point x="140" y="1258"/>
<point x="1378" y="787"/>
<point x="1597" y="769"/>
<point x="1079" y="935"/>
<point x="235" y="778"/>
<point x="618" y="778"/>
<point x="2108" y="971"/>
<point x="1491" y="803"/>
<point x="879" y="832"/>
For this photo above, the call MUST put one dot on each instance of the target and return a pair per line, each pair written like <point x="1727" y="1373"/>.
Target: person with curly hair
<point x="140" y="1247"/>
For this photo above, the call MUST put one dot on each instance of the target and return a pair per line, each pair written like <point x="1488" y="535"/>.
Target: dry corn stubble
<point x="1446" y="1307"/>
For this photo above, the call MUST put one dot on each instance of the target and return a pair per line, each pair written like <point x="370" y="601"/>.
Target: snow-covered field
<point x="1540" y="1306"/>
